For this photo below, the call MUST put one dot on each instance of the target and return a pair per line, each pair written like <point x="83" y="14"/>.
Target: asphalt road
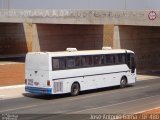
<point x="144" y="95"/>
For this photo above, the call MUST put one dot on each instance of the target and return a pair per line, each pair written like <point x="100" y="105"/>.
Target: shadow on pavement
<point x="60" y="96"/>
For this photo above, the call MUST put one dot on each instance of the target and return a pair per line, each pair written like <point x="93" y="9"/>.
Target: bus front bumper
<point x="38" y="90"/>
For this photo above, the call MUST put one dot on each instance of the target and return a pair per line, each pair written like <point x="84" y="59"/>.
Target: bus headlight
<point x="48" y="83"/>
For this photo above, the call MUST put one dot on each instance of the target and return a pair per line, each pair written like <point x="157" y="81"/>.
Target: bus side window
<point x="62" y="63"/>
<point x="110" y="59"/>
<point x="102" y="59"/>
<point x="70" y="62"/>
<point x="116" y="59"/>
<point x="120" y="58"/>
<point x="86" y="61"/>
<point x="123" y="59"/>
<point x="58" y="63"/>
<point x="55" y="63"/>
<point x="77" y="61"/>
<point x="99" y="60"/>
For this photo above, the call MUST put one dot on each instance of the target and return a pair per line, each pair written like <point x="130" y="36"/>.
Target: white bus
<point x="73" y="71"/>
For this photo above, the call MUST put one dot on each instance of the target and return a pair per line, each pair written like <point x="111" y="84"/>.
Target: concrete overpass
<point x="22" y="31"/>
<point x="48" y="16"/>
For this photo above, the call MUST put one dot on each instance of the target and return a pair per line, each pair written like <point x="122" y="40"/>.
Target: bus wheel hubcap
<point x="123" y="82"/>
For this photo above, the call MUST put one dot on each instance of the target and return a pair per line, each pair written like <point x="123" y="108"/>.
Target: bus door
<point x="131" y="64"/>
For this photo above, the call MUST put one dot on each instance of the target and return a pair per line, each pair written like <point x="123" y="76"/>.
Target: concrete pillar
<point x="108" y="35"/>
<point x="28" y="34"/>
<point x="35" y="43"/>
<point x="32" y="39"/>
<point x="116" y="38"/>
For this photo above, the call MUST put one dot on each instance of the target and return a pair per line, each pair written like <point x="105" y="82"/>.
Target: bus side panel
<point x="64" y="85"/>
<point x="109" y="80"/>
<point x="90" y="78"/>
<point x="85" y="82"/>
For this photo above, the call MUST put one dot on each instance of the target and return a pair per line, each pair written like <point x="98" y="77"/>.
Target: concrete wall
<point x="12" y="39"/>
<point x="20" y="38"/>
<point x="144" y="41"/>
<point x="59" y="37"/>
<point x="16" y="38"/>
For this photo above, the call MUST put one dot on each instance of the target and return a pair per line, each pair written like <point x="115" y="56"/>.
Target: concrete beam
<point x="138" y="18"/>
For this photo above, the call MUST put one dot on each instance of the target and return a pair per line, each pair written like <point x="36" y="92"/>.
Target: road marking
<point x="145" y="104"/>
<point x="57" y="112"/>
<point x="18" y="108"/>
<point x="79" y="98"/>
<point x="147" y="110"/>
<point x="105" y="92"/>
<point x="113" y="104"/>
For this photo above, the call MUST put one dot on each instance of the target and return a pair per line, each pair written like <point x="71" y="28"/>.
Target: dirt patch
<point x="154" y="111"/>
<point x="12" y="74"/>
<point x="153" y="114"/>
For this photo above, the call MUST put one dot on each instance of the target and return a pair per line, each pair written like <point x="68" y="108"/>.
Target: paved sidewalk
<point x="8" y="92"/>
<point x="11" y="73"/>
<point x="146" y="77"/>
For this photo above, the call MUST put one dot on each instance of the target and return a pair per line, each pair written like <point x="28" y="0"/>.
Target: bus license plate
<point x="30" y="82"/>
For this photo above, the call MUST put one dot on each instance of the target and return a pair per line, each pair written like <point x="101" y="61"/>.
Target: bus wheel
<point x="75" y="89"/>
<point x="123" y="82"/>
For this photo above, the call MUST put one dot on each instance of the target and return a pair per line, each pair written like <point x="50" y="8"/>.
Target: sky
<point x="81" y="4"/>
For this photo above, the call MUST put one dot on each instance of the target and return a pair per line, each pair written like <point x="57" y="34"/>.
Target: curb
<point x="12" y="87"/>
<point x="143" y="77"/>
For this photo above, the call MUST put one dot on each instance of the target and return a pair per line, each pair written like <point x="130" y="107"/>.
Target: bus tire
<point x="123" y="82"/>
<point x="75" y="89"/>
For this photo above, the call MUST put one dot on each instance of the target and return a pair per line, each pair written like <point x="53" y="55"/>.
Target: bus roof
<point x="82" y="52"/>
